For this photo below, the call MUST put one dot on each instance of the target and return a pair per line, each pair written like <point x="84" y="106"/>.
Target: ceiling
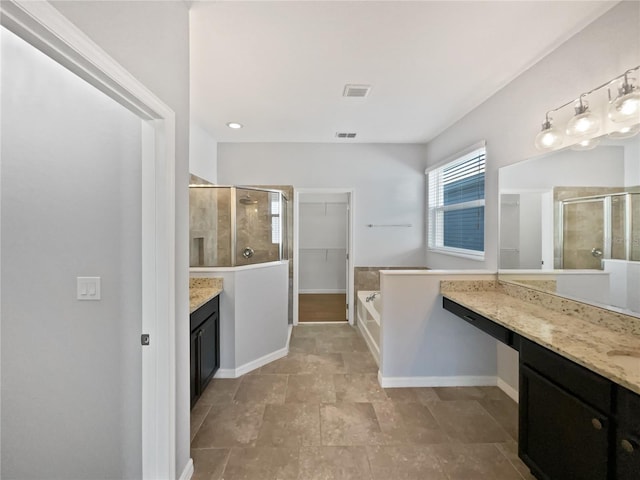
<point x="279" y="68"/>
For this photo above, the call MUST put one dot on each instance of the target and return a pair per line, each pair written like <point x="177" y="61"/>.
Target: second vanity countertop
<point x="201" y="290"/>
<point x="613" y="353"/>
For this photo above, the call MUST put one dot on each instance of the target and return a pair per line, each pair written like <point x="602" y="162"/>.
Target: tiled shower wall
<point x="368" y="278"/>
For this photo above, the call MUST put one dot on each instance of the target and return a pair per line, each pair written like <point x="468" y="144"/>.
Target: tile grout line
<point x="509" y="460"/>
<point x="226" y="462"/>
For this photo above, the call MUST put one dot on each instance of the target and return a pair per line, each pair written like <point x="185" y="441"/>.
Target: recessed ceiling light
<point x="234" y="125"/>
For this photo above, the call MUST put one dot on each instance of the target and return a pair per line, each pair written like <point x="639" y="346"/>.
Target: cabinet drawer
<point x="204" y="312"/>
<point x="583" y="383"/>
<point x="488" y="326"/>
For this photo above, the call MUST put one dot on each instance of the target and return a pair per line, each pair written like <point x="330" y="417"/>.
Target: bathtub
<point x="369" y="321"/>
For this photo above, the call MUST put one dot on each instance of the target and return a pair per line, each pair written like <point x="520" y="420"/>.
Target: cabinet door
<point x="208" y="352"/>
<point x="628" y="436"/>
<point x="195" y="367"/>
<point x="560" y="437"/>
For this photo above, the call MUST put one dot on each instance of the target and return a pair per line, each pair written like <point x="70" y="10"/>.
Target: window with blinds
<point x="455" y="206"/>
<point x="276" y="232"/>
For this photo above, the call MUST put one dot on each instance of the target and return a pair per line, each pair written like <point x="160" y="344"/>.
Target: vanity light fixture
<point x="585" y="123"/>
<point x="586" y="144"/>
<point x="626" y="132"/>
<point x="234" y="125"/>
<point x="549" y="137"/>
<point x="623" y="111"/>
<point x="626" y="105"/>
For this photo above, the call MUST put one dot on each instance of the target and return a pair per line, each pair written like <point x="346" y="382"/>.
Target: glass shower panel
<point x="619" y="227"/>
<point x="257" y="226"/>
<point x="634" y="227"/>
<point x="583" y="242"/>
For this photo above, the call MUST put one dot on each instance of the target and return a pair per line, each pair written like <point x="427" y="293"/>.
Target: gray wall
<point x="151" y="40"/>
<point x="71" y="370"/>
<point x="388" y="181"/>
<point x="510" y="119"/>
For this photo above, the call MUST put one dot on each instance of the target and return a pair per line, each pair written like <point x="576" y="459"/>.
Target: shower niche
<point x="232" y="226"/>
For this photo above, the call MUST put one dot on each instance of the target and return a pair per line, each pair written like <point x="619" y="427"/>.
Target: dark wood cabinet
<point x="627" y="449"/>
<point x="573" y="423"/>
<point x="205" y="346"/>
<point x="566" y="422"/>
<point x="561" y="437"/>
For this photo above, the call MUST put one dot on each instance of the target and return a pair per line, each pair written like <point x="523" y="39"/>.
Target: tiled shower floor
<point x="319" y="414"/>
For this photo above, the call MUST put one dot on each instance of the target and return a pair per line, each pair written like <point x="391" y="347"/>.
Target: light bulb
<point x="626" y="132"/>
<point x="549" y="137"/>
<point x="584" y="124"/>
<point x="587" y="144"/>
<point x="625" y="107"/>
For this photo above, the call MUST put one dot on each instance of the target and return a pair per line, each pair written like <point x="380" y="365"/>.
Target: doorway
<point x="87" y="210"/>
<point x="323" y="245"/>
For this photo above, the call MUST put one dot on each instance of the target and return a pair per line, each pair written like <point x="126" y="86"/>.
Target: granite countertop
<point x="201" y="290"/>
<point x="613" y="353"/>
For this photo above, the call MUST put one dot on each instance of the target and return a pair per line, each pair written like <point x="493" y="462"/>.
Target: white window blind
<point x="455" y="205"/>
<point x="276" y="232"/>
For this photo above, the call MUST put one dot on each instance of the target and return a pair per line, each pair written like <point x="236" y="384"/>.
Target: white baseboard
<point x="322" y="290"/>
<point x="253" y="365"/>
<point x="187" y="473"/>
<point x="509" y="390"/>
<point x="455" y="381"/>
<point x="289" y="332"/>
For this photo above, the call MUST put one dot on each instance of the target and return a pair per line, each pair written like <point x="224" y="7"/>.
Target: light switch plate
<point x="88" y="288"/>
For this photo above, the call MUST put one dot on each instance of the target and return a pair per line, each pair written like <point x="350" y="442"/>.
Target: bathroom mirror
<point x="570" y="224"/>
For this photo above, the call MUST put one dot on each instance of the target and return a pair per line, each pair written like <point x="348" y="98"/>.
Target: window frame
<point x="434" y="234"/>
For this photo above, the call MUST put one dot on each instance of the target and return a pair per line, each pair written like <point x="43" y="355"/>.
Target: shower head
<point x="247" y="200"/>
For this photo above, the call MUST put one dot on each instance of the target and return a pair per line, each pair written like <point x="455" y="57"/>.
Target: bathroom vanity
<point x="205" y="346"/>
<point x="205" y="333"/>
<point x="579" y="409"/>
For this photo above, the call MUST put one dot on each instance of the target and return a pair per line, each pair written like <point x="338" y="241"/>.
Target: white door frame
<point x="43" y="26"/>
<point x="351" y="193"/>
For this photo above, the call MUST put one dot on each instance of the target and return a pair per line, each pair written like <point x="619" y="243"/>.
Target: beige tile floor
<point x="319" y="414"/>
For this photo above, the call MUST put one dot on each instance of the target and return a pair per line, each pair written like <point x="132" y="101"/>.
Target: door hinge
<point x="145" y="339"/>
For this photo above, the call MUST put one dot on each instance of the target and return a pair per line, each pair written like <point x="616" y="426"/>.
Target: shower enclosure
<point x="233" y="226"/>
<point x="599" y="227"/>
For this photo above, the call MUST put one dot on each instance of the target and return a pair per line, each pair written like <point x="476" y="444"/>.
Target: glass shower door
<point x="258" y="226"/>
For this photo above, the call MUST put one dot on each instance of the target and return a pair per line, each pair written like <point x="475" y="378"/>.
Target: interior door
<point x="347" y="259"/>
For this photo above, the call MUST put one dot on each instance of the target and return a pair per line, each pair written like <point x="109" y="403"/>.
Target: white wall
<point x="71" y="206"/>
<point x="203" y="153"/>
<point x="510" y="120"/>
<point x="567" y="168"/>
<point x="151" y="40"/>
<point x="388" y="179"/>
<point x="254" y="321"/>
<point x="421" y="344"/>
<point x="632" y="162"/>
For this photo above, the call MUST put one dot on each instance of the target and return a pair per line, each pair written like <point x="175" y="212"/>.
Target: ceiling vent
<point x="345" y="135"/>
<point x="356" y="91"/>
